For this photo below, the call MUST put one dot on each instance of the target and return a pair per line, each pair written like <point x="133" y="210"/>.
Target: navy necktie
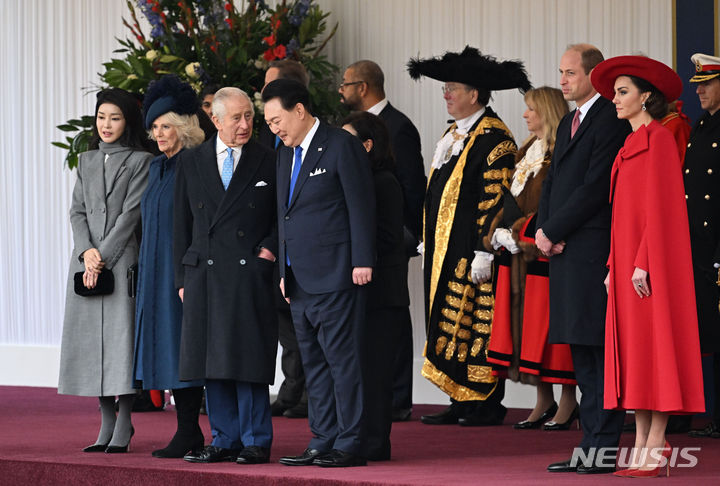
<point x="295" y="172"/>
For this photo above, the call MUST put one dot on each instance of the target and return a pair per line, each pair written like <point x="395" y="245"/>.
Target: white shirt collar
<point x="465" y="124"/>
<point x="305" y="144"/>
<point x="378" y="107"/>
<point x="587" y="105"/>
<point x="221" y="154"/>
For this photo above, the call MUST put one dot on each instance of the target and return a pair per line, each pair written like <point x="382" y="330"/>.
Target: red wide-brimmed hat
<point x="654" y="72"/>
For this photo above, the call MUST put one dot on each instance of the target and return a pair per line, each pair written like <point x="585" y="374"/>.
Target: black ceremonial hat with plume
<point x="472" y="68"/>
<point x="166" y="94"/>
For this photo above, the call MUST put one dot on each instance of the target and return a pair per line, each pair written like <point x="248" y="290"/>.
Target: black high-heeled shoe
<point x="534" y="424"/>
<point x="96" y="448"/>
<point x="118" y="449"/>
<point x="575" y="415"/>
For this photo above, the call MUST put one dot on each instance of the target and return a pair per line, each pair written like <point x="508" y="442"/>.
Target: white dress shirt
<point x="221" y="154"/>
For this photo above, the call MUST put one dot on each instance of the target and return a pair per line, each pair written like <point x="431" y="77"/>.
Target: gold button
<point x="709" y="171"/>
<point x="702" y="121"/>
<point x="687" y="171"/>
<point x="689" y="144"/>
<point x="704" y="223"/>
<point x="714" y="145"/>
<point x="686" y="196"/>
<point x="707" y="197"/>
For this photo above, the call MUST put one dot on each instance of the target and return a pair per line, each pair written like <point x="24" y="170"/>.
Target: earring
<point x="643" y="106"/>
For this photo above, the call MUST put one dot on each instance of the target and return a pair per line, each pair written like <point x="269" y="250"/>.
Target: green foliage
<point x="212" y="42"/>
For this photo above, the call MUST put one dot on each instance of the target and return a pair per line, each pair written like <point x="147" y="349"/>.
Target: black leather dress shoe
<point x="212" y="454"/>
<point x="338" y="458"/>
<point x="564" y="466"/>
<point x="253" y="455"/>
<point x="304" y="459"/>
<point x="484" y="417"/>
<point x="446" y="417"/>
<point x="401" y="414"/>
<point x="583" y="469"/>
<point x="711" y="431"/>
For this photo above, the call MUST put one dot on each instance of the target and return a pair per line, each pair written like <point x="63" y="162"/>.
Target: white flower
<point x="192" y="70"/>
<point x="151" y="54"/>
<point x="261" y="63"/>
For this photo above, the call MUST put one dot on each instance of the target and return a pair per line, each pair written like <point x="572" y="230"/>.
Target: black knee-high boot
<point x="188" y="436"/>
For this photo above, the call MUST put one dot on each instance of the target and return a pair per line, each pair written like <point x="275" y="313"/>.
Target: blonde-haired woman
<point x="170" y="106"/>
<point x="518" y="344"/>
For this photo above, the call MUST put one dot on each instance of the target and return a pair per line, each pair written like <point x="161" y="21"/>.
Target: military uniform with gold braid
<point x="472" y="162"/>
<point x="702" y="191"/>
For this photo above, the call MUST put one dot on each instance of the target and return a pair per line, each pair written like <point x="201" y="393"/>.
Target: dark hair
<point x="290" y="93"/>
<point x="371" y="73"/>
<point x="208" y="89"/>
<point x="656" y="105"/>
<point x="372" y="127"/>
<point x="134" y="135"/>
<point x="483" y="95"/>
<point x="289" y="69"/>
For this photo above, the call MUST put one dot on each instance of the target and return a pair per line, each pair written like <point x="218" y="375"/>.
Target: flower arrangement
<point x="215" y="42"/>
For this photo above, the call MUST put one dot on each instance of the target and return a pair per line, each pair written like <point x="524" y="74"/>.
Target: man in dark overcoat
<point x="363" y="89"/>
<point x="225" y="245"/>
<point x="702" y="189"/>
<point x="574" y="231"/>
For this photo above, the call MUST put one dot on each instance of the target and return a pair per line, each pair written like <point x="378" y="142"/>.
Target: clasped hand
<point x="546" y="246"/>
<point x="93" y="266"/>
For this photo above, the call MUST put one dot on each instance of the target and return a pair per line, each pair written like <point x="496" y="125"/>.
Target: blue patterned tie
<point x="295" y="171"/>
<point x="227" y="170"/>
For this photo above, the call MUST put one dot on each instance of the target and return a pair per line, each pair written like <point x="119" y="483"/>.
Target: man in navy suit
<point x="225" y="240"/>
<point x="326" y="226"/>
<point x="363" y="89"/>
<point x="574" y="231"/>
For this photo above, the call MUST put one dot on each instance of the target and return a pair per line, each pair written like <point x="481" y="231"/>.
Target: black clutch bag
<point x="105" y="284"/>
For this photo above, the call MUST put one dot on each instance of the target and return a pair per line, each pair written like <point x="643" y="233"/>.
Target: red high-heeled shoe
<point x="654" y="472"/>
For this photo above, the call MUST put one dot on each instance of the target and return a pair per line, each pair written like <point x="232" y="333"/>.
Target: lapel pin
<point x="319" y="149"/>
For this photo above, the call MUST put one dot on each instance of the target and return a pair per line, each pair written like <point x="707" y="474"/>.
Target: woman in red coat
<point x="652" y="350"/>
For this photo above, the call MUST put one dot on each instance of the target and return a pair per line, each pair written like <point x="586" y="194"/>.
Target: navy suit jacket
<point x="329" y="226"/>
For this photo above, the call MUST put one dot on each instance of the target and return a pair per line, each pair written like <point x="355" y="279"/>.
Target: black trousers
<point x="601" y="428"/>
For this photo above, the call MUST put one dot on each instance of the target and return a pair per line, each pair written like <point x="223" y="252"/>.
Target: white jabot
<point x="530" y="165"/>
<point x="221" y="154"/>
<point x="377" y="108"/>
<point x="453" y="141"/>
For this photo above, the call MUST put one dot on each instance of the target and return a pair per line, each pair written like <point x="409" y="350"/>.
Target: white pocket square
<point x="317" y="171"/>
<point x="261" y="184"/>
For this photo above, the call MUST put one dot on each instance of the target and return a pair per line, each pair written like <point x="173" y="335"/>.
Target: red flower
<point x="228" y="7"/>
<point x="213" y="48"/>
<point x="229" y="22"/>
<point x="277" y="24"/>
<point x="280" y="51"/>
<point x="270" y="40"/>
<point x="269" y="55"/>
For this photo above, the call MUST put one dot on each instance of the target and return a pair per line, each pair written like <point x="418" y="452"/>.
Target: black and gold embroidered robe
<point x="461" y="199"/>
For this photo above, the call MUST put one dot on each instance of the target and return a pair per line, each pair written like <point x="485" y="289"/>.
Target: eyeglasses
<point x="344" y="85"/>
<point x="450" y="89"/>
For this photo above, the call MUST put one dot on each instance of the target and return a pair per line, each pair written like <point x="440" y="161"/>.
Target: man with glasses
<point x="473" y="161"/>
<point x="369" y="95"/>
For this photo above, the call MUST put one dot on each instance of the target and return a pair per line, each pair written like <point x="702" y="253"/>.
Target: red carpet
<point x="42" y="434"/>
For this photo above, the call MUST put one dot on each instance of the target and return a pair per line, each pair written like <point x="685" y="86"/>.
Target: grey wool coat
<point x="96" y="354"/>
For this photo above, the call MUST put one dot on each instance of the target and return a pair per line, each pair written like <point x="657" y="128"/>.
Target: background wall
<point x="52" y="50"/>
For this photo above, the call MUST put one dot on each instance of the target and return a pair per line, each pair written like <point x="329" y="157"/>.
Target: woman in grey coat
<point x="97" y="344"/>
